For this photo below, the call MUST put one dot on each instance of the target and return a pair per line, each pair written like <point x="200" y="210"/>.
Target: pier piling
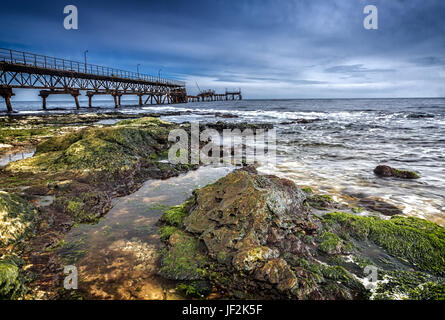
<point x="6" y="93"/>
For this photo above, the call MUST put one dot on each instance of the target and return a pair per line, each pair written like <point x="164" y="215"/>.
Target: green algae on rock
<point x="419" y="241"/>
<point x="175" y="215"/>
<point x="253" y="231"/>
<point x="387" y="171"/>
<point x="111" y="148"/>
<point x="17" y="218"/>
<point x="320" y="201"/>
<point x="82" y="172"/>
<point x="254" y="237"/>
<point x="11" y="284"/>
<point x="184" y="260"/>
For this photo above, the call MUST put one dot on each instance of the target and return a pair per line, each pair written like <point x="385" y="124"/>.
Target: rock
<point x="249" y="226"/>
<point x="11" y="284"/>
<point x="380" y="206"/>
<point x="113" y="148"/>
<point x="252" y="236"/>
<point x="277" y="272"/>
<point x="301" y="121"/>
<point x="184" y="260"/>
<point x="232" y="214"/>
<point x="418" y="241"/>
<point x="17" y="219"/>
<point x="320" y="201"/>
<point x="387" y="171"/>
<point x="221" y="125"/>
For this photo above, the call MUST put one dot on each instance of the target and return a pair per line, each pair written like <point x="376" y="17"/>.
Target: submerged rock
<point x="252" y="236"/>
<point x="387" y="171"/>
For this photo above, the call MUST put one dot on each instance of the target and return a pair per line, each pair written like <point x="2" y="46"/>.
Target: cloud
<point x="430" y="61"/>
<point x="269" y="48"/>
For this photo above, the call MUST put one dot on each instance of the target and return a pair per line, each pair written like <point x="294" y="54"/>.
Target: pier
<point x="211" y="95"/>
<point x="22" y="70"/>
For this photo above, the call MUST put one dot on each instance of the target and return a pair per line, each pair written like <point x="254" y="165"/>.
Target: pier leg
<point x="7" y="93"/>
<point x="90" y="101"/>
<point x="44" y="95"/>
<point x="8" y="103"/>
<point x="76" y="100"/>
<point x="119" y="99"/>
<point x="115" y="101"/>
<point x="140" y="99"/>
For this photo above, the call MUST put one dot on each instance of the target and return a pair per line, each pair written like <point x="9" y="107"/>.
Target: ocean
<point x="333" y="145"/>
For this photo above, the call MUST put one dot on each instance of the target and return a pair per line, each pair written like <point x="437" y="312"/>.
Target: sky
<point x="268" y="48"/>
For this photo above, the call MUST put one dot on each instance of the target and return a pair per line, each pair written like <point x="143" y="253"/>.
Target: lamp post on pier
<point x="85" y="58"/>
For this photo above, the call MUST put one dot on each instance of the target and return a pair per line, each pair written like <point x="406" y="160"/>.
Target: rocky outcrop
<point x="387" y="171"/>
<point x="81" y="172"/>
<point x="253" y="236"/>
<point x="252" y="229"/>
<point x="84" y="169"/>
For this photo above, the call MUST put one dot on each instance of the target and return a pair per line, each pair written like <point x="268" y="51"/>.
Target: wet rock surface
<point x="387" y="171"/>
<point x="253" y="236"/>
<point x="81" y="172"/>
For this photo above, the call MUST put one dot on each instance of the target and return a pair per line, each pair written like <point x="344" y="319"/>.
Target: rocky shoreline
<point x="245" y="236"/>
<point x="255" y="237"/>
<point x="79" y="173"/>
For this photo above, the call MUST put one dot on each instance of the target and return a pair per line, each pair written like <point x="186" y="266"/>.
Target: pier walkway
<point x="60" y="76"/>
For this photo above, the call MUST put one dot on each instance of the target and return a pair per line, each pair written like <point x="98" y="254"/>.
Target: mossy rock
<point x="428" y="291"/>
<point x="418" y="241"/>
<point x="254" y="235"/>
<point x="184" y="260"/>
<point x="320" y="201"/>
<point x="146" y="122"/>
<point x="409" y="285"/>
<point x="17" y="218"/>
<point x="175" y="215"/>
<point x="330" y="243"/>
<point x="387" y="171"/>
<point x="8" y="135"/>
<point x="195" y="289"/>
<point x="166" y="231"/>
<point x="11" y="283"/>
<point x="118" y="147"/>
<point x="307" y="190"/>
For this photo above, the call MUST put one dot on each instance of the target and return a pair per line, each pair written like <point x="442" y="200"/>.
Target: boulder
<point x="252" y="229"/>
<point x="253" y="236"/>
<point x="387" y="171"/>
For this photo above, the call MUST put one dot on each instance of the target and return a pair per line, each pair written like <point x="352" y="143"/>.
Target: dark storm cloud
<point x="270" y="48"/>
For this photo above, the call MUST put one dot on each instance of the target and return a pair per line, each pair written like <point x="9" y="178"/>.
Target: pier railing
<point x="46" y="62"/>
